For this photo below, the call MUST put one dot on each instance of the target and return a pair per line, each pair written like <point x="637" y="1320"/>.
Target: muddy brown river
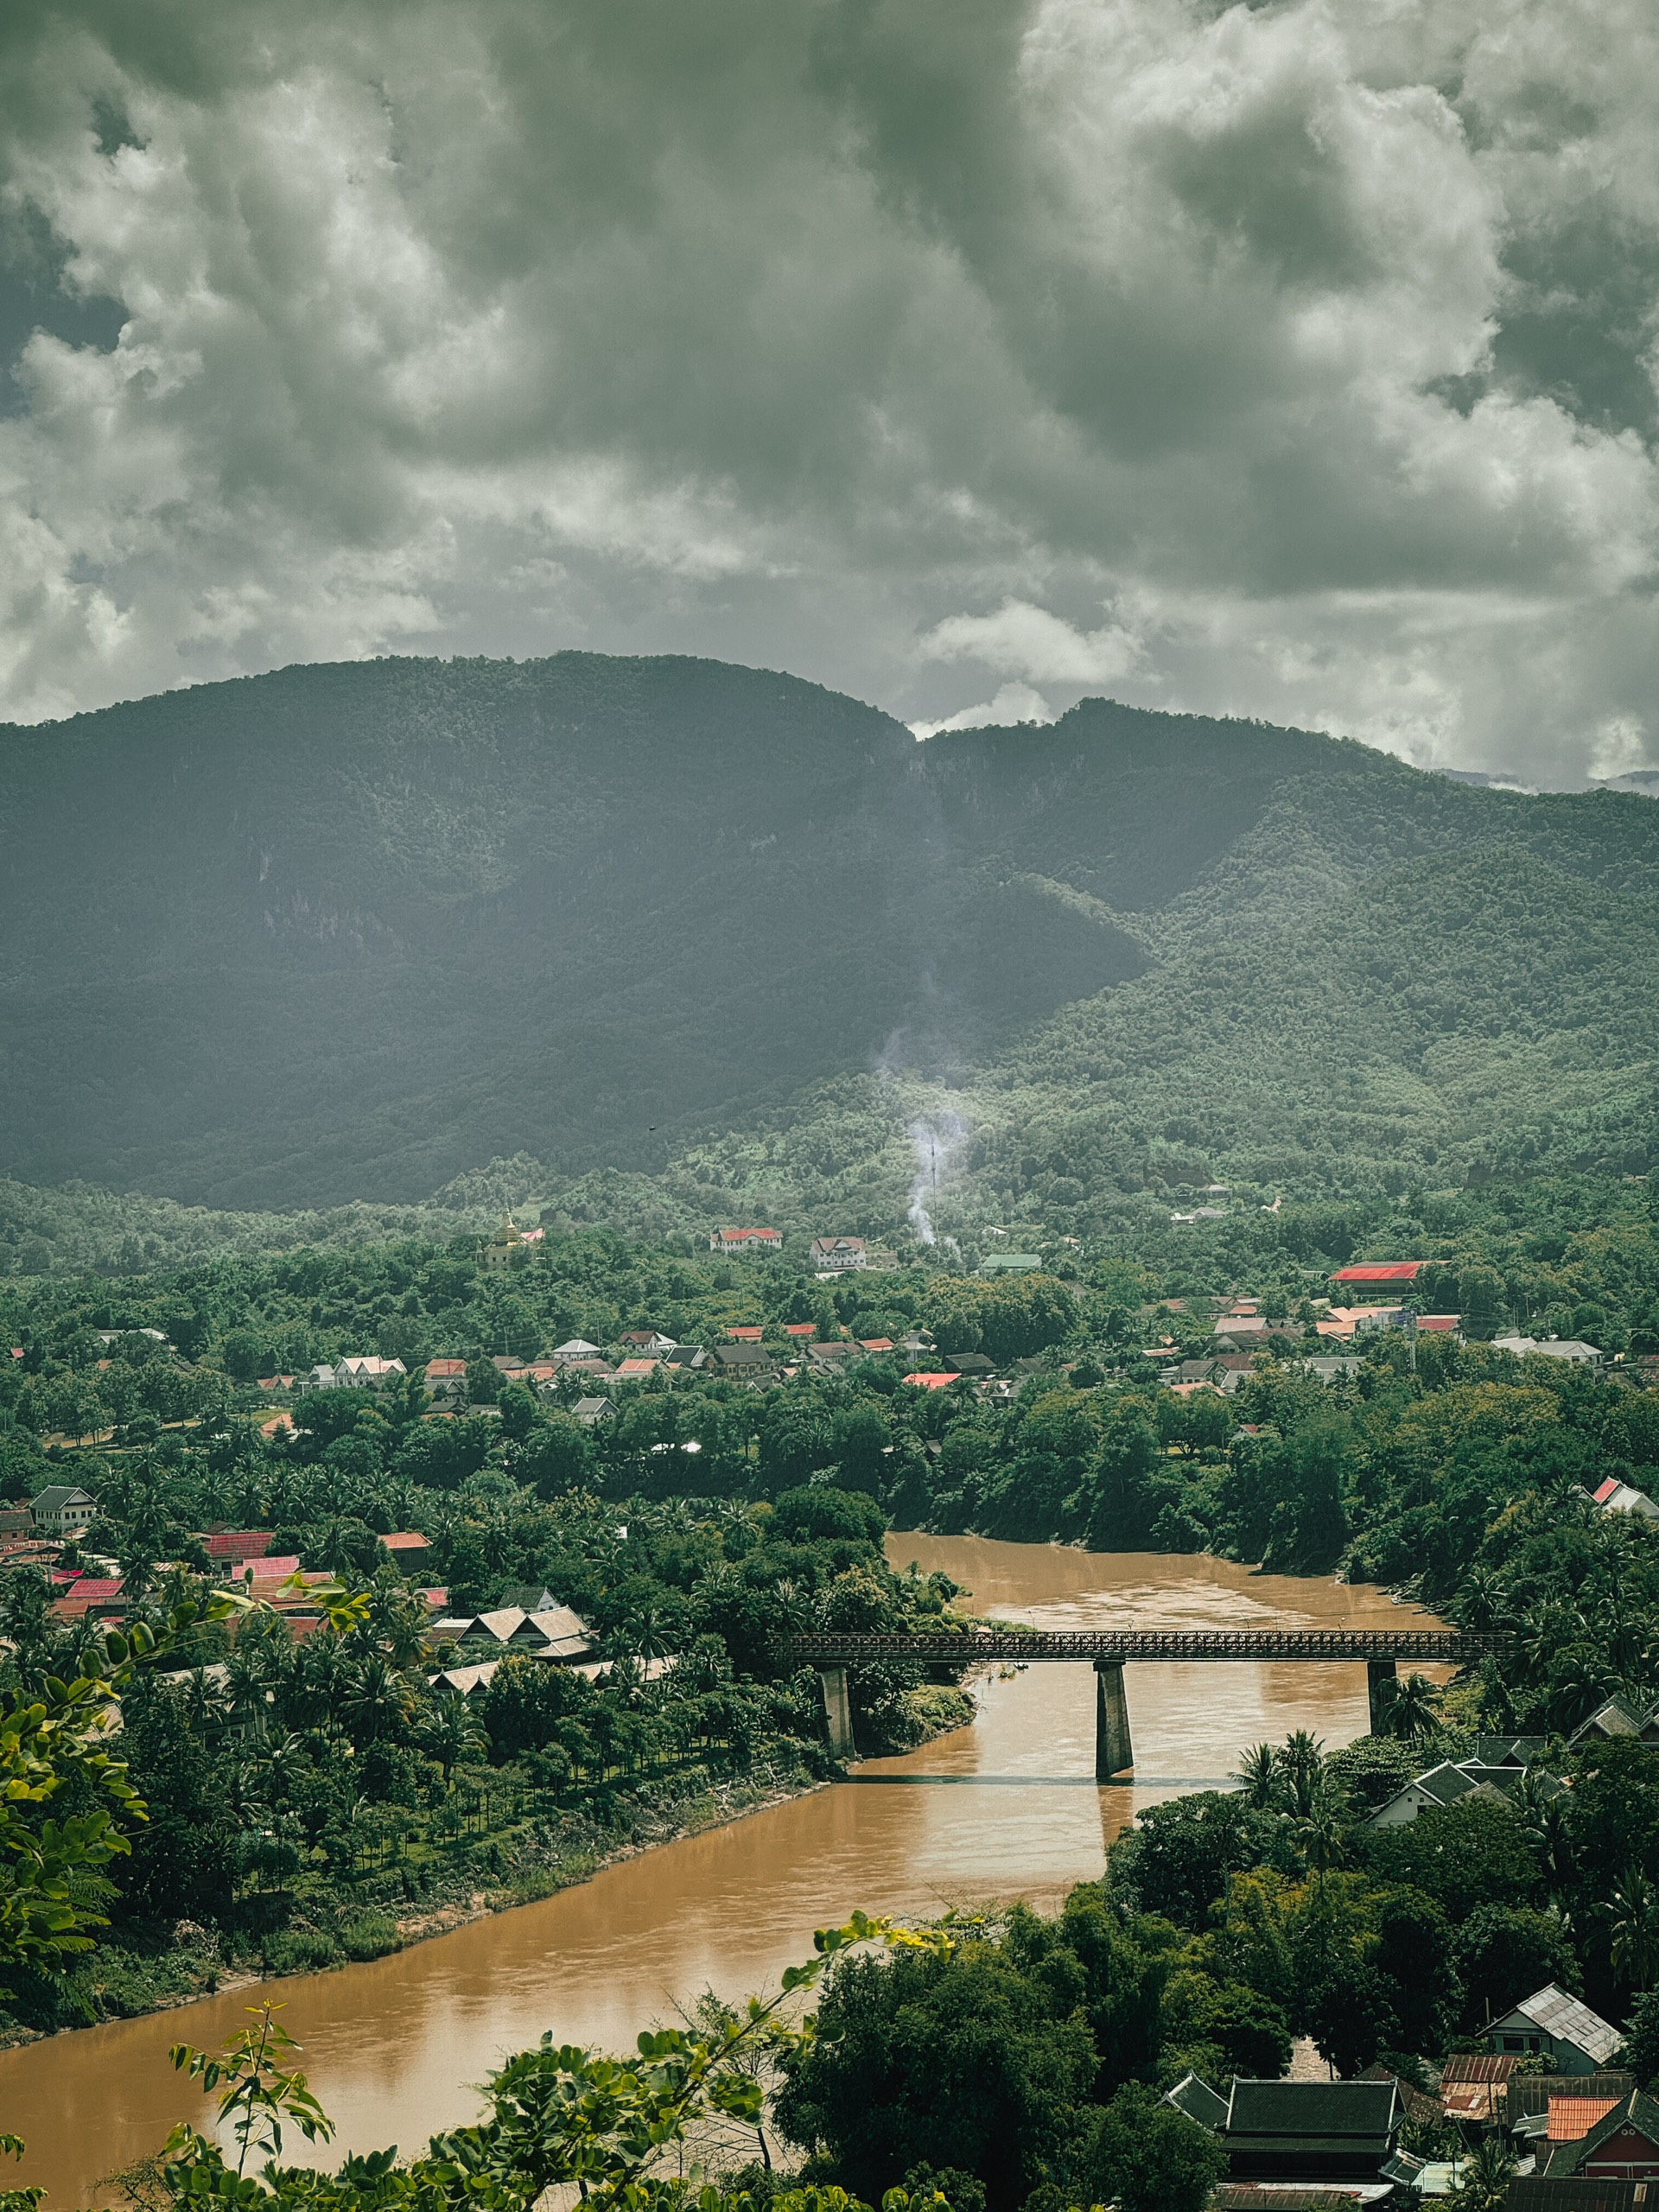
<point x="1008" y="1807"/>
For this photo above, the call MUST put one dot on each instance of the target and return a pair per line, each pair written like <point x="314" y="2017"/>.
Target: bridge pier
<point x="837" y="1710"/>
<point x="1113" y="1753"/>
<point x="1379" y="1672"/>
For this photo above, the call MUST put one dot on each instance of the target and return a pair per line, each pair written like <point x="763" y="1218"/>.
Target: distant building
<point x="446" y="1379"/>
<point x="61" y="1510"/>
<point x="1011" y="1263"/>
<point x="1615" y="1497"/>
<point x="409" y="1549"/>
<point x="1618" y="1717"/>
<point x="1552" y="2025"/>
<point x="926" y="1379"/>
<point x="831" y="1254"/>
<point x="592" y="1411"/>
<point x="234" y="1546"/>
<point x="506" y="1248"/>
<point x="1568" y="1348"/>
<point x="1445" y="1784"/>
<point x="1311" y="2131"/>
<point x="745" y="1362"/>
<point x="1373" y="1273"/>
<point x="740" y="1243"/>
<point x="1620" y="2143"/>
<point x="368" y="1372"/>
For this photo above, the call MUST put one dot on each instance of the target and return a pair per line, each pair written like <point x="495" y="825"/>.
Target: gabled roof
<point x="1290" y="2113"/>
<point x="1638" y="2112"/>
<point x="1618" y="1716"/>
<point x="239" y="1543"/>
<point x="1568" y="2019"/>
<point x="1198" y="2101"/>
<point x="56" y="1495"/>
<point x="1380" y="1271"/>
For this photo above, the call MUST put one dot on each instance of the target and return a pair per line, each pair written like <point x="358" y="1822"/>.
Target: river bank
<point x="125" y="1982"/>
<point x="1008" y="1807"/>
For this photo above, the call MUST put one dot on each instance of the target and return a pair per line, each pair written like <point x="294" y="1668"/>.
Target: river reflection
<point x="1006" y="1808"/>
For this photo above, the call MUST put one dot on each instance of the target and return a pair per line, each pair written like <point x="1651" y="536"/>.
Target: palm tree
<point x="375" y="1699"/>
<point x="1301" y="1764"/>
<point x="1321" y="1834"/>
<point x="1258" y="1776"/>
<point x="1413" y="1710"/>
<point x="1632" y="1918"/>
<point x="452" y="1735"/>
<point x="1483" y="2184"/>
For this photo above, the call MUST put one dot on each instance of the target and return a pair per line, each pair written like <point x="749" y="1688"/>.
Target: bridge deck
<point x="1450" y="1647"/>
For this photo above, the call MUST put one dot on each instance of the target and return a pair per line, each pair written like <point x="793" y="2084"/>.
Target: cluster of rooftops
<point x="1584" y="2139"/>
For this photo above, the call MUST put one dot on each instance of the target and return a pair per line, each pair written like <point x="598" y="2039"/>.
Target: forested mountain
<point x="345" y="932"/>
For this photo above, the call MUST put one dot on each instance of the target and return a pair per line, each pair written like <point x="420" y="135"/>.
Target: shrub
<point x="370" y="1936"/>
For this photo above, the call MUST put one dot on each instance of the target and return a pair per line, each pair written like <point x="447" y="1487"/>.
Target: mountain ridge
<point x="342" y="932"/>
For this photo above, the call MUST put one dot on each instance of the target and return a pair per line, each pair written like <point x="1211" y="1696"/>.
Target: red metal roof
<point x="1605" y="1490"/>
<point x="407" y="1539"/>
<point x="932" y="1382"/>
<point x="240" y="1543"/>
<point x="1381" y="1271"/>
<point x="1570" y="2119"/>
<point x="745" y="1336"/>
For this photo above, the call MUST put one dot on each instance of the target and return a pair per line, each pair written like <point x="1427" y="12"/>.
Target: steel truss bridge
<point x="1108" y="1650"/>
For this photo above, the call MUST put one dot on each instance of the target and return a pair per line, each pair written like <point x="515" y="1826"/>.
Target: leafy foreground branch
<point x="617" y="2130"/>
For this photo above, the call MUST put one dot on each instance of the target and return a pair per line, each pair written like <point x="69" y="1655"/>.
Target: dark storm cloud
<point x="1293" y="361"/>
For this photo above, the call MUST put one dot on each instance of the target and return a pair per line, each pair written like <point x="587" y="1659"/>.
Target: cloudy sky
<point x="1294" y="360"/>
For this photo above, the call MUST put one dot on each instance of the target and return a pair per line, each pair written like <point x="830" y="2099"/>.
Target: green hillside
<point x="691" y="937"/>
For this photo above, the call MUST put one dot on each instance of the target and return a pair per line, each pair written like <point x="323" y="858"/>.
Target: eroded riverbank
<point x="1006" y="1808"/>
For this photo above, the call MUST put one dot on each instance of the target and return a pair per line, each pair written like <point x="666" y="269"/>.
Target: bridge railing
<point x="1447" y="1647"/>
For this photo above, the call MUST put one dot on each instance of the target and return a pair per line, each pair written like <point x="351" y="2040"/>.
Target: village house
<point x="234" y="1546"/>
<point x="554" y="1633"/>
<point x="1552" y="2025"/>
<point x="650" y="1341"/>
<point x="63" y="1510"/>
<point x="1449" y="1782"/>
<point x="740" y="1243"/>
<point x="830" y="1254"/>
<point x="1618" y="1717"/>
<point x="1615" y="1497"/>
<point x="1376" y="1275"/>
<point x="446" y="1379"/>
<point x="1571" y="1349"/>
<point x="745" y="1362"/>
<point x="636" y="1371"/>
<point x="1619" y="2143"/>
<point x="368" y="1372"/>
<point x="576" y="1348"/>
<point x="409" y="1549"/>
<point x="591" y="1411"/>
<point x="1011" y="1263"/>
<point x="1311" y="2131"/>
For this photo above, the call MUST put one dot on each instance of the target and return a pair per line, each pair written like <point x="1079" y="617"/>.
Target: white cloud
<point x="1029" y="641"/>
<point x="1315" y="344"/>
<point x="1014" y="704"/>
